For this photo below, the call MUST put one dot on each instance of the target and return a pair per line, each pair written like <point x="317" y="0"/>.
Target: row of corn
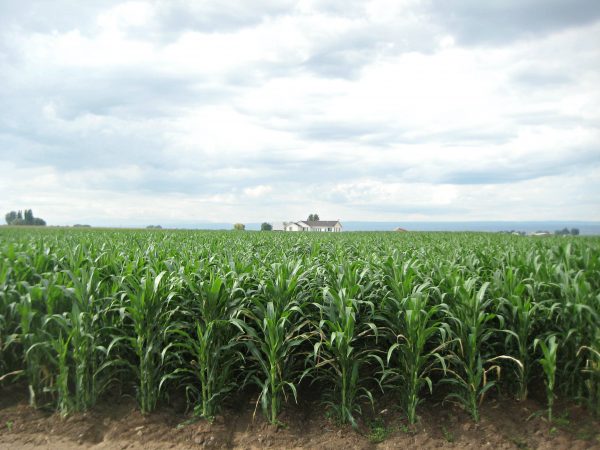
<point x="96" y="313"/>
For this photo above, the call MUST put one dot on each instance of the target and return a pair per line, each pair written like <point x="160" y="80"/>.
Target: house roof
<point x="321" y="223"/>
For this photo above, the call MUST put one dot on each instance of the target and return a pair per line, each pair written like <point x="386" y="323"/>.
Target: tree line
<point x="25" y="217"/>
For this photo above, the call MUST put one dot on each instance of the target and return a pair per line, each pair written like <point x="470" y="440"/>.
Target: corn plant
<point x="83" y="334"/>
<point x="63" y="402"/>
<point x="470" y="322"/>
<point x="32" y="340"/>
<point x="516" y="298"/>
<point x="8" y="322"/>
<point x="148" y="306"/>
<point x="592" y="370"/>
<point x="419" y="335"/>
<point x="577" y="319"/>
<point x="213" y="303"/>
<point x="549" y="347"/>
<point x="275" y="329"/>
<point x="346" y="321"/>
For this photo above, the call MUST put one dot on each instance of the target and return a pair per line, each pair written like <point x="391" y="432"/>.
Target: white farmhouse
<point x="329" y="226"/>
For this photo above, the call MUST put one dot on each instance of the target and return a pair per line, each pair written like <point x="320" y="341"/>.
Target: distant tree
<point x="239" y="226"/>
<point x="313" y="217"/>
<point x="575" y="231"/>
<point x="10" y="217"/>
<point x="26" y="218"/>
<point x="265" y="226"/>
<point x="154" y="227"/>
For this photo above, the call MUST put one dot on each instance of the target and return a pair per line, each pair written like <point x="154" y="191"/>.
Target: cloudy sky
<point x="181" y="112"/>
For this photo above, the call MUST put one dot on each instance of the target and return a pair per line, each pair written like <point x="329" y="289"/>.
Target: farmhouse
<point x="330" y="226"/>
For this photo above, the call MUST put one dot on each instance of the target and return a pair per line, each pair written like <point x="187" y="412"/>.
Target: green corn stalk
<point x="419" y="337"/>
<point x="592" y="370"/>
<point x="61" y="347"/>
<point x="83" y="336"/>
<point x="214" y="303"/>
<point x="275" y="329"/>
<point x="549" y="348"/>
<point x="470" y="324"/>
<point x="577" y="321"/>
<point x="345" y="324"/>
<point x="516" y="298"/>
<point x="8" y="320"/>
<point x="31" y="339"/>
<point x="147" y="304"/>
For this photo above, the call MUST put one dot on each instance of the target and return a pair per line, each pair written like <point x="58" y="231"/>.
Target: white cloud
<point x="129" y="112"/>
<point x="257" y="191"/>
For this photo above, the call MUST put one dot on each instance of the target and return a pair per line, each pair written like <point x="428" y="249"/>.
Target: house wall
<point x="301" y="226"/>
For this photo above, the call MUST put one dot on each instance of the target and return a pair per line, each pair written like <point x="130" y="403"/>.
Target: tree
<point x="575" y="231"/>
<point x="239" y="226"/>
<point x="10" y="217"/>
<point x="313" y="217"/>
<point x="23" y="218"/>
<point x="265" y="226"/>
<point x="28" y="217"/>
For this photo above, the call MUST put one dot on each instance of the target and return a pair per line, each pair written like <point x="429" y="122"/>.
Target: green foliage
<point x="239" y="226"/>
<point x="549" y="348"/>
<point x="345" y="324"/>
<point x="417" y="332"/>
<point x="203" y="348"/>
<point x="265" y="226"/>
<point x="203" y="314"/>
<point x="378" y="431"/>
<point x="275" y="331"/>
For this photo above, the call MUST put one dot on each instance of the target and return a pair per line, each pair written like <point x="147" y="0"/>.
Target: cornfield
<point x="89" y="314"/>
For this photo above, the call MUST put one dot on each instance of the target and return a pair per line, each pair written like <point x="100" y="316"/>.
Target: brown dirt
<point x="119" y="425"/>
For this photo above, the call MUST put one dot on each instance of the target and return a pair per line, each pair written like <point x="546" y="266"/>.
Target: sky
<point x="181" y="112"/>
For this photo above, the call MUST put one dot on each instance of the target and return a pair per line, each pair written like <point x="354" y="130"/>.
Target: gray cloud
<point x="477" y="22"/>
<point x="41" y="16"/>
<point x="541" y="80"/>
<point x="175" y="17"/>
<point x="344" y="54"/>
<point x="529" y="167"/>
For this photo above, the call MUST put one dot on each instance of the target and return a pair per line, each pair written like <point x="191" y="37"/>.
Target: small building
<point x="327" y="226"/>
<point x="541" y="233"/>
<point x="400" y="230"/>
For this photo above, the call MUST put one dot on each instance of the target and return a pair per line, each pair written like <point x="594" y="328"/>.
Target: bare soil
<point x="117" y="424"/>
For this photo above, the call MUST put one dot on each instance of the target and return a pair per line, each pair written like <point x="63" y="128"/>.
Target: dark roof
<point x="321" y="223"/>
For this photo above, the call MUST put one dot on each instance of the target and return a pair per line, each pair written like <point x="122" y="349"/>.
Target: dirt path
<point x="118" y="425"/>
